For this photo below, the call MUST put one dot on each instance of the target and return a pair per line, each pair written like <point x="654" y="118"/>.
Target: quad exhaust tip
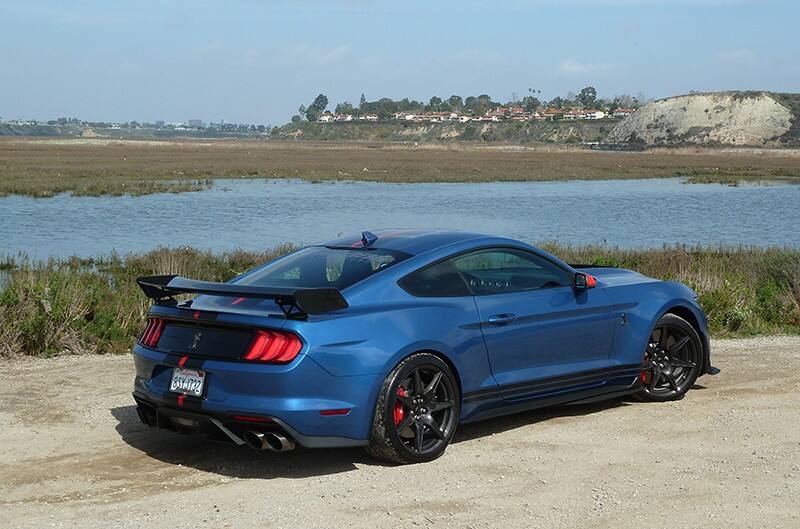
<point x="268" y="441"/>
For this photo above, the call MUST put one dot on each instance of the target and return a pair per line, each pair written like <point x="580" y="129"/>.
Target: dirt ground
<point x="73" y="454"/>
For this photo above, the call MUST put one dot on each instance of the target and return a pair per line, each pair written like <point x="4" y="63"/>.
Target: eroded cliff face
<point x="720" y="118"/>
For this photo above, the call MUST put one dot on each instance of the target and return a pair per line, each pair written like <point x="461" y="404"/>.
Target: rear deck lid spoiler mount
<point x="294" y="302"/>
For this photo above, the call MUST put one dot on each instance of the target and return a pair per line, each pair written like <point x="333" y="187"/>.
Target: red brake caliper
<point x="399" y="411"/>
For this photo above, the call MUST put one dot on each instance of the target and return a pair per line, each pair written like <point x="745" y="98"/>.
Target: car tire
<point x="417" y="411"/>
<point x="674" y="357"/>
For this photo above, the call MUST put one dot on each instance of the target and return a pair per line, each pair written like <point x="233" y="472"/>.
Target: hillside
<point x="515" y="132"/>
<point x="716" y="118"/>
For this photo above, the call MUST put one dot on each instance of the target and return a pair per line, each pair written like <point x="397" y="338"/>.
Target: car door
<point x="542" y="336"/>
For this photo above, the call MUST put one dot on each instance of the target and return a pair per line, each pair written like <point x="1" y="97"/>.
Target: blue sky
<point x="256" y="61"/>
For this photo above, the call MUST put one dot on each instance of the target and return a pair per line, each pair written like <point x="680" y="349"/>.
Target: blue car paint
<point x="562" y="342"/>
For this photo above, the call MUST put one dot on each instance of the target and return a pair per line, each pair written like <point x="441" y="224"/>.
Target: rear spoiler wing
<point x="294" y="302"/>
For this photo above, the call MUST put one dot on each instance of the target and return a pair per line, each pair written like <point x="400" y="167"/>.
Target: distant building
<point x="159" y="124"/>
<point x="623" y="112"/>
<point x="195" y="124"/>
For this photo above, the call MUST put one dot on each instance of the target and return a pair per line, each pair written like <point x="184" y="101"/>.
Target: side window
<point x="439" y="280"/>
<point x="501" y="270"/>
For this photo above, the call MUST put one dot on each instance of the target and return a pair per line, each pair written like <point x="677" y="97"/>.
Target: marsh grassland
<point x="76" y="306"/>
<point x="93" y="167"/>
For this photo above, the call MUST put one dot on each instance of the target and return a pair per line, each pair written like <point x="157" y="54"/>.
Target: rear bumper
<point x="287" y="397"/>
<point x="226" y="427"/>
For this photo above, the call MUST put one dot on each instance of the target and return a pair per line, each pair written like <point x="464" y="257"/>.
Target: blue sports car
<point x="391" y="340"/>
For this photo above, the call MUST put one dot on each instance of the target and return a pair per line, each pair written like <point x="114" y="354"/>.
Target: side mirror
<point x="584" y="282"/>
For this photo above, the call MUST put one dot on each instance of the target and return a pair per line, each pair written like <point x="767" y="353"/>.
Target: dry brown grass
<point x="91" y="306"/>
<point x="97" y="167"/>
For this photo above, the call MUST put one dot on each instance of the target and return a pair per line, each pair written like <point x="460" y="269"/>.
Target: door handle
<point x="502" y="319"/>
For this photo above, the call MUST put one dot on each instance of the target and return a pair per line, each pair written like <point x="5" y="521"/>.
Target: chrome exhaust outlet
<point x="268" y="441"/>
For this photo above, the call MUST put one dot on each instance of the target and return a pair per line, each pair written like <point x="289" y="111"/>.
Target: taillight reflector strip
<point x="338" y="411"/>
<point x="152" y="333"/>
<point x="274" y="347"/>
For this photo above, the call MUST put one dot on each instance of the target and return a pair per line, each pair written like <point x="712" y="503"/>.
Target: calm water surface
<point x="257" y="214"/>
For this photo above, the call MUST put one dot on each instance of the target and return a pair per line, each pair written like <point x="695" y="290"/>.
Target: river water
<point x="257" y="214"/>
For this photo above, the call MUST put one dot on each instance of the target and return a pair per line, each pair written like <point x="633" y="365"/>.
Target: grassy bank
<point x="43" y="168"/>
<point x="94" y="306"/>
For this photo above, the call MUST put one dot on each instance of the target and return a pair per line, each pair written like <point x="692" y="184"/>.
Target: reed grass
<point x="44" y="168"/>
<point x="79" y="306"/>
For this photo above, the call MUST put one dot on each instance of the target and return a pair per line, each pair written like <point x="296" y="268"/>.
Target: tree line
<point x="385" y="107"/>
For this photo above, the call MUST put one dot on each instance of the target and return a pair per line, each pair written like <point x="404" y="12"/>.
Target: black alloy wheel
<point x="672" y="360"/>
<point x="417" y="412"/>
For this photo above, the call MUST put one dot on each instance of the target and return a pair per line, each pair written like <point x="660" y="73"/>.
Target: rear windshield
<point x="322" y="266"/>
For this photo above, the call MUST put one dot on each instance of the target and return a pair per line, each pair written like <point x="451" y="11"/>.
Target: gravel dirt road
<point x="73" y="454"/>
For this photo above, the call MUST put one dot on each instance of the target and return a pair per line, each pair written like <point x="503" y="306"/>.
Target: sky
<point x="256" y="61"/>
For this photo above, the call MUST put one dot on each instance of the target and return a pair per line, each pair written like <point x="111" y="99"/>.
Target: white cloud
<point x="575" y="67"/>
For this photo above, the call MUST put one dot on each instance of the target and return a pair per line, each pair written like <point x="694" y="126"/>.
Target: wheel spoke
<point x="663" y="337"/>
<point x="655" y="376"/>
<point x="405" y="423"/>
<point x="419" y="436"/>
<point x="677" y="346"/>
<point x="431" y="388"/>
<point x="419" y="387"/>
<point x="671" y="380"/>
<point x="439" y="406"/>
<point x="678" y="362"/>
<point x="433" y="426"/>
<point x="406" y="400"/>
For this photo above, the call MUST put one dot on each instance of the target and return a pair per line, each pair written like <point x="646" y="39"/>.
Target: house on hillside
<point x="623" y="112"/>
<point x="518" y="114"/>
<point x="550" y="114"/>
<point x="325" y="117"/>
<point x="593" y="114"/>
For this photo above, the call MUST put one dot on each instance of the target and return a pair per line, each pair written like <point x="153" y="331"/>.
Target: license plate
<point x="187" y="382"/>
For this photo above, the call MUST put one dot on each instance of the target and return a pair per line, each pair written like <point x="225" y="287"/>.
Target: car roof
<point x="410" y="241"/>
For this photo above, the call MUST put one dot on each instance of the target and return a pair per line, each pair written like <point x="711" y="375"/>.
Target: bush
<point x="75" y="306"/>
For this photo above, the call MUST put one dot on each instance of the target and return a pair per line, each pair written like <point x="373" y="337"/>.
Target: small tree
<point x="530" y="103"/>
<point x="345" y="107"/>
<point x="588" y="97"/>
<point x="320" y="103"/>
<point x="316" y="107"/>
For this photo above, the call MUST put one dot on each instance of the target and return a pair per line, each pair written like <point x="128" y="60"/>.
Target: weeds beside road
<point x="73" y="306"/>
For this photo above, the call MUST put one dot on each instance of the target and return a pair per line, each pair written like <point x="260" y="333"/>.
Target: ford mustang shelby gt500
<point x="390" y="340"/>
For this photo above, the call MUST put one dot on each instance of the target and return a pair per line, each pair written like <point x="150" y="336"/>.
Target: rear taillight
<point x="152" y="333"/>
<point x="275" y="347"/>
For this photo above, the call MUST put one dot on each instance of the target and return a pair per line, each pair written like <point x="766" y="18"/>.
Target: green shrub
<point x="74" y="306"/>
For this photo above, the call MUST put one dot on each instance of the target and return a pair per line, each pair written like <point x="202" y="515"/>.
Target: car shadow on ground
<point x="240" y="462"/>
<point x="468" y="432"/>
<point x="227" y="459"/>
